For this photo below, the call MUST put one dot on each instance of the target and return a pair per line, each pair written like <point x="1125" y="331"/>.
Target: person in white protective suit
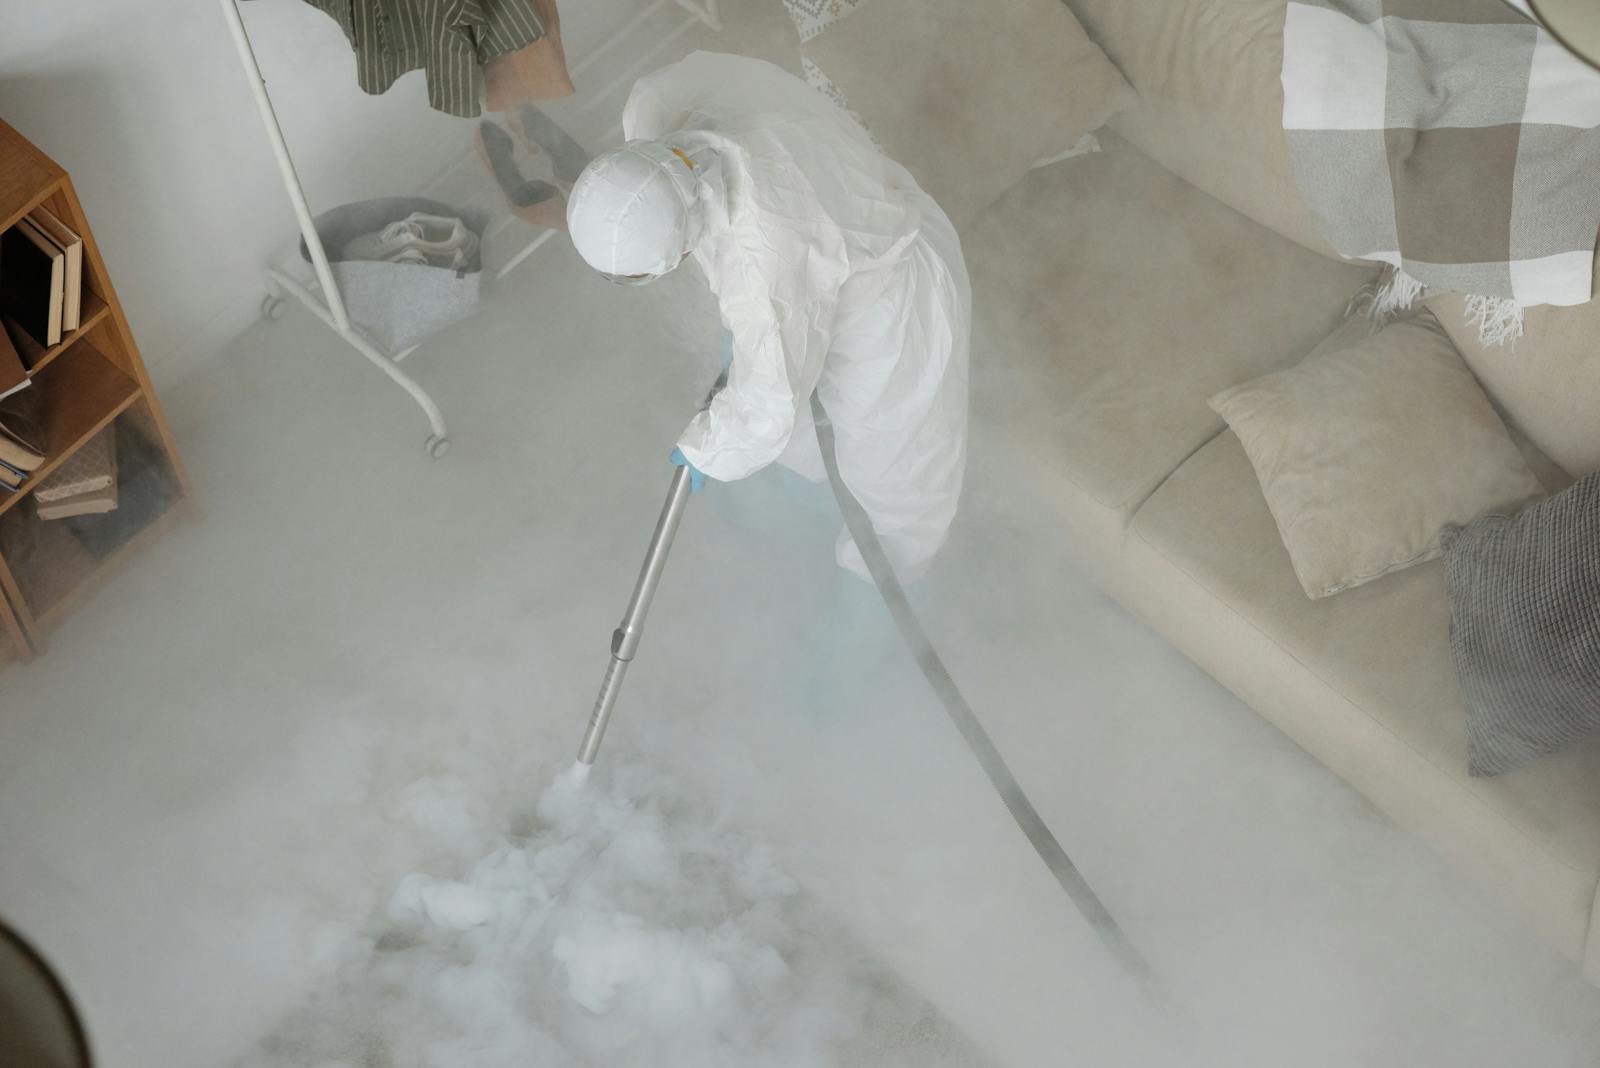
<point x="833" y="271"/>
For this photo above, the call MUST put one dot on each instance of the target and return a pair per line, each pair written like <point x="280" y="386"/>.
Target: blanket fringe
<point x="1382" y="300"/>
<point x="1397" y="292"/>
<point x="1498" y="319"/>
<point x="1385" y="297"/>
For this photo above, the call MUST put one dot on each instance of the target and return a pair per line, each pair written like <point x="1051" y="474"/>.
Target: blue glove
<point x="697" y="480"/>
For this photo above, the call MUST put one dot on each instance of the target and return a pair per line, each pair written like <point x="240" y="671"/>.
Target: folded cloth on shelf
<point x="449" y="40"/>
<point x="1455" y="140"/>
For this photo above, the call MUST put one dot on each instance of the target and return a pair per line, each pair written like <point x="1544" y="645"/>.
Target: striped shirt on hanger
<point x="449" y="40"/>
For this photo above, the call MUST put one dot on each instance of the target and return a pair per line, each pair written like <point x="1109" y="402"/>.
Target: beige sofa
<point x="1180" y="261"/>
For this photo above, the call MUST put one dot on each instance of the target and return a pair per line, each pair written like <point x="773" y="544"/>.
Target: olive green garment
<point x="449" y="39"/>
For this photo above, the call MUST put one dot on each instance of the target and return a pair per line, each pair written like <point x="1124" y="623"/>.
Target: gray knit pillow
<point x="1525" y="627"/>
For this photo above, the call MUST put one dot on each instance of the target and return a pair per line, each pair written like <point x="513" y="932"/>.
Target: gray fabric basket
<point x="398" y="304"/>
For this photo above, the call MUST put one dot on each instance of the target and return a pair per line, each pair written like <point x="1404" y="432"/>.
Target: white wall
<point x="143" y="102"/>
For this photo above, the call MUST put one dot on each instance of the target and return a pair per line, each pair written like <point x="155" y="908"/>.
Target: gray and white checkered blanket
<point x="1454" y="140"/>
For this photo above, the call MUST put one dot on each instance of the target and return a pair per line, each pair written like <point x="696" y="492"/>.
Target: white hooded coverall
<point x="834" y="272"/>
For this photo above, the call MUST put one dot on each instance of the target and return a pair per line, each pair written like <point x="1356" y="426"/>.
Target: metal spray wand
<point x="625" y="639"/>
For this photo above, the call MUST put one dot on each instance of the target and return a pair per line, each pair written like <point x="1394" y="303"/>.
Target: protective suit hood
<point x="638" y="209"/>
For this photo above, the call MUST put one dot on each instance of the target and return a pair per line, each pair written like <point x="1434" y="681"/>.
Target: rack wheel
<point x="271" y="307"/>
<point x="436" y="446"/>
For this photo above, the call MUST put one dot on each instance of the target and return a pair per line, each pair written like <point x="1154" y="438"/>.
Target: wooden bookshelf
<point x="94" y="381"/>
<point x="13" y="642"/>
<point x="36" y="357"/>
<point x="86" y="391"/>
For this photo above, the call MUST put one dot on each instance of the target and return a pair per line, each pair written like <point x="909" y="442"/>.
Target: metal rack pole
<point x="280" y="151"/>
<point x="330" y="308"/>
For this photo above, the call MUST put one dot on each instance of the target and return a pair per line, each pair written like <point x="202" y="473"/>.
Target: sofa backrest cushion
<point x="1210" y="99"/>
<point x="968" y="98"/>
<point x="1547" y="383"/>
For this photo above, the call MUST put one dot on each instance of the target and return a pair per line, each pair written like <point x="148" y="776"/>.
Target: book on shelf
<point x="13" y="375"/>
<point x="71" y="246"/>
<point x="18" y="457"/>
<point x="10" y="480"/>
<point x="22" y="421"/>
<point x="33" y="282"/>
<point x="21" y="444"/>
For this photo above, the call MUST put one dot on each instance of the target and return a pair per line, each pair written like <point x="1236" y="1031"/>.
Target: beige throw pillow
<point x="1369" y="446"/>
<point x="969" y="94"/>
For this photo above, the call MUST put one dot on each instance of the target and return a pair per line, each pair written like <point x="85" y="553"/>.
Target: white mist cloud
<point x="628" y="925"/>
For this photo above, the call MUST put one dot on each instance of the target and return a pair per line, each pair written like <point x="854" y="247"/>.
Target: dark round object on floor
<point x="39" y="1027"/>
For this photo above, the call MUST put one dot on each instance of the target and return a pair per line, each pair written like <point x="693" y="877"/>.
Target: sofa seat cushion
<point x="1211" y="100"/>
<point x="1364" y="682"/>
<point x="1111" y="299"/>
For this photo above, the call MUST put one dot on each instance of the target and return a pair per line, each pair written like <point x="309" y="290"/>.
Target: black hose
<point x="966" y="721"/>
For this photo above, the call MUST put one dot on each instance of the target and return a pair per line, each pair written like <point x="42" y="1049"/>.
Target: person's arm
<point x="780" y="310"/>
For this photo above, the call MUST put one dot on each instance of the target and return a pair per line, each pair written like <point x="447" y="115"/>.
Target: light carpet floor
<point x="183" y="780"/>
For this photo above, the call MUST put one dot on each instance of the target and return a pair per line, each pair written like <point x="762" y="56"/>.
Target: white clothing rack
<point x="323" y="296"/>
